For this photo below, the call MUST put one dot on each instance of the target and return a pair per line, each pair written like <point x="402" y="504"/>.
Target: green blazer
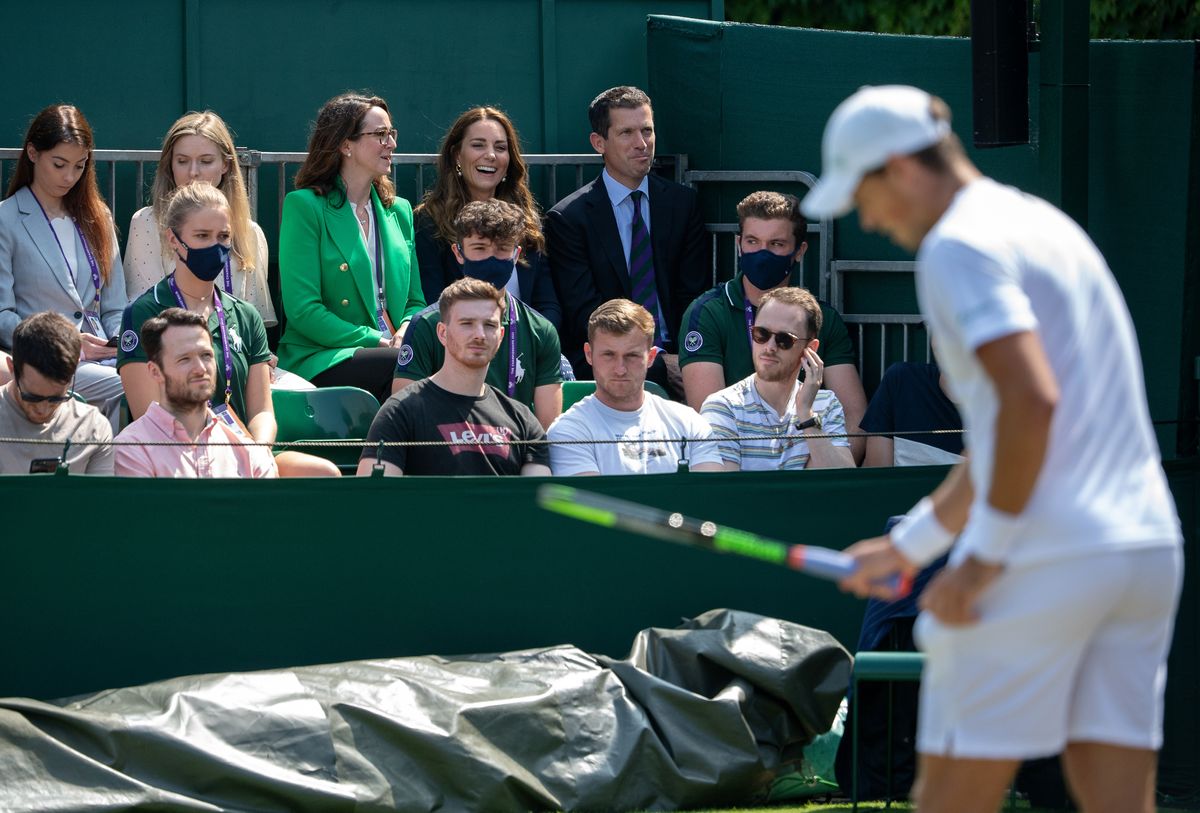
<point x="326" y="280"/>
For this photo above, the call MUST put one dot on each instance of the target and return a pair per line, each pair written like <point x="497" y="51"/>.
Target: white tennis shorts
<point x="1068" y="651"/>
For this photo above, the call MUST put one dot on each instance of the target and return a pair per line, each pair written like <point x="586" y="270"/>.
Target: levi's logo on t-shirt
<point x="478" y="438"/>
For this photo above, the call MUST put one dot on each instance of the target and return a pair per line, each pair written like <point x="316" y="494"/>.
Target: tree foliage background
<point x="1111" y="19"/>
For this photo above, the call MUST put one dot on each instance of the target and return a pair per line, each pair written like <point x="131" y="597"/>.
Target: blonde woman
<point x="197" y="229"/>
<point x="199" y="147"/>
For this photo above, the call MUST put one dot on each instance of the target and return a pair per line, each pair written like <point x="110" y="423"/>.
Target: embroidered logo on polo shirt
<point x="235" y="341"/>
<point x="405" y="356"/>
<point x="693" y="341"/>
<point x="129" y="341"/>
<point x="520" y="369"/>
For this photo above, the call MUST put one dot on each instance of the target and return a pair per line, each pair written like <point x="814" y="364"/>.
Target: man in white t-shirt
<point x="653" y="434"/>
<point x="1051" y="625"/>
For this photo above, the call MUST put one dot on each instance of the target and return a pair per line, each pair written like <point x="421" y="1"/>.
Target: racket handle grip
<point x="835" y="566"/>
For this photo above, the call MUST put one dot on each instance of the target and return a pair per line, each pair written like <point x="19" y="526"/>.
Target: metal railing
<point x="884" y="325"/>
<point x="767" y="179"/>
<point x="423" y="165"/>
<point x="107" y="163"/>
<point x="116" y="179"/>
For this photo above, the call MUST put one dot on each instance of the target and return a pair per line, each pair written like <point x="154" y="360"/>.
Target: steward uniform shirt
<point x="714" y="329"/>
<point x="247" y="338"/>
<point x="538" y="359"/>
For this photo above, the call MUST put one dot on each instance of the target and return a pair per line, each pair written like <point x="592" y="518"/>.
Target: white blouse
<point x="146" y="265"/>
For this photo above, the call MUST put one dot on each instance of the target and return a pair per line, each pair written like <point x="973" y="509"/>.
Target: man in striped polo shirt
<point x="771" y="420"/>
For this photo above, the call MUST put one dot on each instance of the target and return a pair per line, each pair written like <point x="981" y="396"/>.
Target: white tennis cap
<point x="863" y="132"/>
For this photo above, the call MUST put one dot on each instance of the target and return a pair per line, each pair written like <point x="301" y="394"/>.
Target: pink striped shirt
<point x="200" y="458"/>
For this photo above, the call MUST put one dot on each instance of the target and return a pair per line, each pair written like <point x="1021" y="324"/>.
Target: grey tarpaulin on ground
<point x="705" y="714"/>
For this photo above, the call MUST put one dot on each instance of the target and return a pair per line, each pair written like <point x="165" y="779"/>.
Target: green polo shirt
<point x="247" y="338"/>
<point x="538" y="359"/>
<point x="714" y="329"/>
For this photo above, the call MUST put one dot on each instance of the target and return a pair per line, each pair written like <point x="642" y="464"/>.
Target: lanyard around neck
<point x="220" y="309"/>
<point x="512" y="345"/>
<point x="87" y="250"/>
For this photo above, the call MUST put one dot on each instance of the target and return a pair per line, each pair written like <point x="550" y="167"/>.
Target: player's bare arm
<point x="1027" y="392"/>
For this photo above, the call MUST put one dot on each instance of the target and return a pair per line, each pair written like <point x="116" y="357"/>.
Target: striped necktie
<point x="641" y="262"/>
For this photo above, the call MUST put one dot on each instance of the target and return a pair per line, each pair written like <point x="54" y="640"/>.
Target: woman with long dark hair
<point x="58" y="248"/>
<point x="347" y="270"/>
<point x="480" y="159"/>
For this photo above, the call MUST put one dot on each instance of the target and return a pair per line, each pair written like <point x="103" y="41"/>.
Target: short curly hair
<point x="774" y="206"/>
<point x="492" y="219"/>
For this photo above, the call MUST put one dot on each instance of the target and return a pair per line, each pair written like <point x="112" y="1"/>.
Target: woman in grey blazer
<point x="58" y="249"/>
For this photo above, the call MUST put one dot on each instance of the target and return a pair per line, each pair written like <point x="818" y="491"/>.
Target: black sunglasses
<point x="783" y="339"/>
<point x="41" y="399"/>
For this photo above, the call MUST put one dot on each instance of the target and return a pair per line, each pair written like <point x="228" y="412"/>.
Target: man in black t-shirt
<point x="481" y="426"/>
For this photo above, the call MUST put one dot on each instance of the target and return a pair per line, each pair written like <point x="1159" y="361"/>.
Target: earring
<point x="503" y="178"/>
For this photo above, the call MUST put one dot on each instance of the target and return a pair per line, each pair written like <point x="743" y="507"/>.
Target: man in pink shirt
<point x="214" y="443"/>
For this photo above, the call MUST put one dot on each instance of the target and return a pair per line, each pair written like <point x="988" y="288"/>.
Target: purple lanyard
<point x="750" y="322"/>
<point x="380" y="294"/>
<point x="512" y="345"/>
<point x="94" y="313"/>
<point x="220" y="309"/>
<point x="228" y="277"/>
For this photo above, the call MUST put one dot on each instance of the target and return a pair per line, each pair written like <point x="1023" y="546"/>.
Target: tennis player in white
<point x="1049" y="630"/>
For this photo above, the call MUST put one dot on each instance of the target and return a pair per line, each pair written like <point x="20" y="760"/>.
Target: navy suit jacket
<point x="588" y="265"/>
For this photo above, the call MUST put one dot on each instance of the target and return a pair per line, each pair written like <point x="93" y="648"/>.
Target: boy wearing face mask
<point x="714" y="348"/>
<point x="527" y="367"/>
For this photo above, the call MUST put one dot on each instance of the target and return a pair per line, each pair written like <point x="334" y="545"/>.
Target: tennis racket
<point x="611" y="512"/>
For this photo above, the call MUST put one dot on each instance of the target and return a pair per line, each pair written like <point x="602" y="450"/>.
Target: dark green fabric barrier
<point x="751" y="97"/>
<point x="206" y="576"/>
<point x="215" y="576"/>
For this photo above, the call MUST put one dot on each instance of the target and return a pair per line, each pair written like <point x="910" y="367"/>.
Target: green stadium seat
<point x="574" y="391"/>
<point x="887" y="667"/>
<point x="327" y="413"/>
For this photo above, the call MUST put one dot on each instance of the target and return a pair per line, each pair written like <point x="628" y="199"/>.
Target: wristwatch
<point x="815" y="420"/>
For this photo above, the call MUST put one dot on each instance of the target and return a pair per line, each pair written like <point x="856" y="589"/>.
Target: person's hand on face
<point x="814" y="379"/>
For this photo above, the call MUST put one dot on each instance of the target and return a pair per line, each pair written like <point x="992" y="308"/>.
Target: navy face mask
<point x="493" y="270"/>
<point x="205" y="263"/>
<point x="764" y="269"/>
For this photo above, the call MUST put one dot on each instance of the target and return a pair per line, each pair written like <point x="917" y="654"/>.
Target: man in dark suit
<point x="628" y="234"/>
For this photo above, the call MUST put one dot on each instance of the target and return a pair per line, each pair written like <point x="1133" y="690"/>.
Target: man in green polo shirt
<point x="528" y="366"/>
<point x="714" y="348"/>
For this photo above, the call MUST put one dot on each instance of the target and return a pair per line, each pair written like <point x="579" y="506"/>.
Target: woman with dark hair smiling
<point x="347" y="270"/>
<point x="58" y="249"/>
<point x="480" y="159"/>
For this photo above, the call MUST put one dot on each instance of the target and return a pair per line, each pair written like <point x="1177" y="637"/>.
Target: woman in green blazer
<point x="347" y="268"/>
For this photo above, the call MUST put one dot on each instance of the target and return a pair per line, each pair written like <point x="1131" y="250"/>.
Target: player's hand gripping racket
<point x="611" y="512"/>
